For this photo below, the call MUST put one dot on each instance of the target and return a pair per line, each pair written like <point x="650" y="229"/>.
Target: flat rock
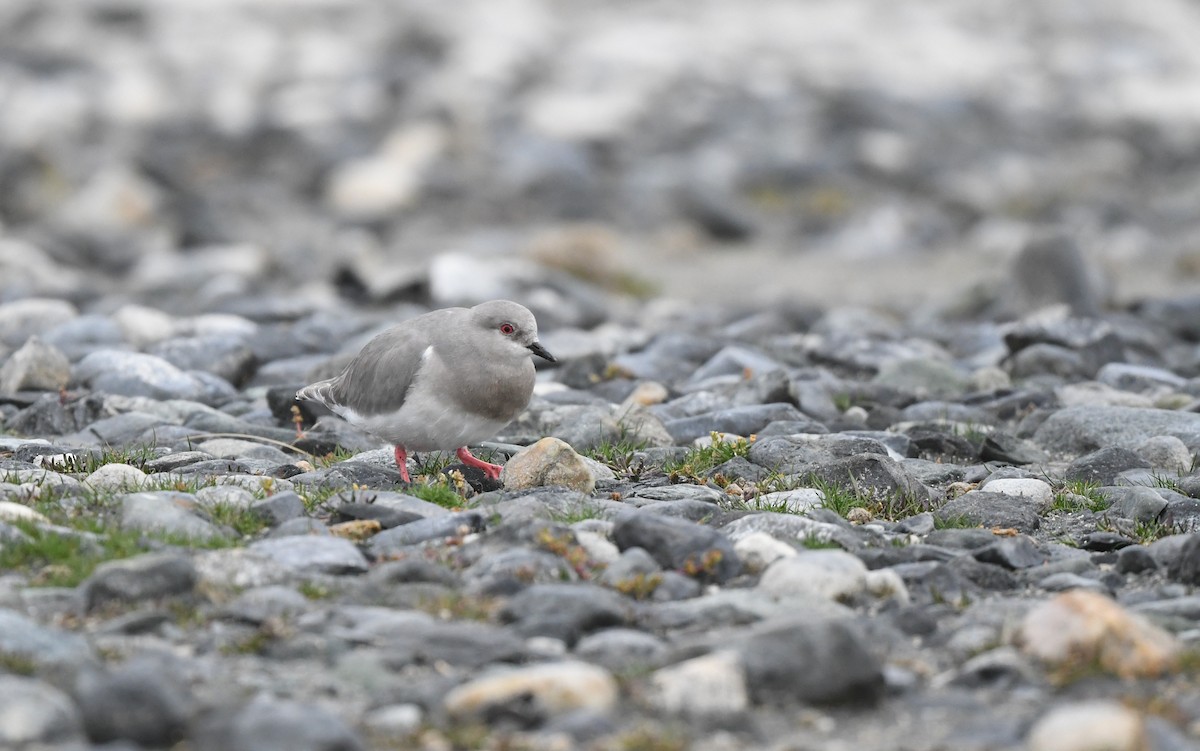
<point x="693" y="548"/>
<point x="36" y="713"/>
<point x="310" y="554"/>
<point x="1079" y="430"/>
<point x="545" y="690"/>
<point x="131" y="580"/>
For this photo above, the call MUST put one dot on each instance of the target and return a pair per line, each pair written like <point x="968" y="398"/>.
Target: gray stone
<point x="565" y="611"/>
<point x="415" y="638"/>
<point x="137" y="374"/>
<point x="225" y="357"/>
<point x="34" y="713"/>
<point x="981" y="508"/>
<point x="144" y="577"/>
<point x="790" y="527"/>
<point x="1103" y="465"/>
<point x="1135" y="559"/>
<point x="261" y="604"/>
<point x="809" y="660"/>
<point x="166" y="512"/>
<point x="21" y="319"/>
<point x="737" y="420"/>
<point x="871" y="474"/>
<point x="272" y="725"/>
<point x="678" y="544"/>
<point x="632" y="563"/>
<point x="512" y="570"/>
<point x="621" y="650"/>
<point x="44" y="646"/>
<point x="313" y="554"/>
<point x="1078" y="430"/>
<point x="36" y="366"/>
<point x="432" y="528"/>
<point x="137" y="701"/>
<point x="1181" y="515"/>
<point x="279" y="508"/>
<point x="1012" y="553"/>
<point x="1136" y="503"/>
<point x="1141" y="378"/>
<point x="1185" y="567"/>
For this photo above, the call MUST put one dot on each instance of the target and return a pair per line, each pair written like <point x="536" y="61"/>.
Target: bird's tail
<point x="317" y="392"/>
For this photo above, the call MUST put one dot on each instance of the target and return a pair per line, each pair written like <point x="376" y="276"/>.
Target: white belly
<point x="423" y="425"/>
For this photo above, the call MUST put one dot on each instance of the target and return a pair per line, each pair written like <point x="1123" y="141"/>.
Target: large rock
<point x="679" y="544"/>
<point x="134" y="579"/>
<point x="548" y="462"/>
<point x="36" y="366"/>
<point x="1080" y="430"/>
<point x="807" y="660"/>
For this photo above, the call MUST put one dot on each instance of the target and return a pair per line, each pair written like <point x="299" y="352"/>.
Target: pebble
<point x="713" y="685"/>
<point x="548" y="689"/>
<point x="36" y="366"/>
<point x="548" y="462"/>
<point x="1088" y="726"/>
<point x="1084" y="628"/>
<point x="36" y="713"/>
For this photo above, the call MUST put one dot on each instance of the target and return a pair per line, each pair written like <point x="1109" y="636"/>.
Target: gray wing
<point x="378" y="379"/>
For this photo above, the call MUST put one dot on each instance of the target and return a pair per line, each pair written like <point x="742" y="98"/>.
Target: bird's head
<point x="512" y="323"/>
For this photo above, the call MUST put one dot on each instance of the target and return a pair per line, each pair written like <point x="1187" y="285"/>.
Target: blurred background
<point x="269" y="157"/>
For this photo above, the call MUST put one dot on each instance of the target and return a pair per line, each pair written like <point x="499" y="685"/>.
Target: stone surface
<point x="547" y="690"/>
<point x="1083" y="628"/>
<point x="145" y="577"/>
<point x="548" y="462"/>
<point x="1088" y="725"/>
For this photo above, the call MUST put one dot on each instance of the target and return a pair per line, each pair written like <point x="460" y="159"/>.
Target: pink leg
<point x="491" y="470"/>
<point x="402" y="463"/>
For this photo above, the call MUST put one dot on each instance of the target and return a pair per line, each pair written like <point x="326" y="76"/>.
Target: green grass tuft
<point x="703" y="459"/>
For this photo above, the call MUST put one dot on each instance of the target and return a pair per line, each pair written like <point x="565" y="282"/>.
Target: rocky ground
<point x="875" y="424"/>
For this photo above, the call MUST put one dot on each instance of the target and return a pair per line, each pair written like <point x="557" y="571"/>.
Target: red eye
<point x="506" y="328"/>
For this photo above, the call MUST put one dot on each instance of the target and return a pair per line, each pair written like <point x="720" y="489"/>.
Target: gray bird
<point x="439" y="381"/>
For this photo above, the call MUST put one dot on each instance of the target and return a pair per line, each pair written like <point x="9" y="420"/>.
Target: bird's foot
<point x="491" y="470"/>
<point x="402" y="463"/>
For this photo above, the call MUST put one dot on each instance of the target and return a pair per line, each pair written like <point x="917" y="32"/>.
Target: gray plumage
<point x="441" y="380"/>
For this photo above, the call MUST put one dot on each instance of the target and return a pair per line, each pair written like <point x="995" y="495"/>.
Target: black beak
<point x="537" y="349"/>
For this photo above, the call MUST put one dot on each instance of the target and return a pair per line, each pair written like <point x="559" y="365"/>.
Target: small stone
<point x="357" y="529"/>
<point x="116" y="477"/>
<point x="1037" y="491"/>
<point x="135" y="701"/>
<point x="21" y="319"/>
<point x="548" y="462"/>
<point x="166" y="512"/>
<point x="34" y="713"/>
<point x="801" y="659"/>
<point x="271" y="725"/>
<point x="758" y="550"/>
<point x="43" y="646"/>
<point x="394" y="721"/>
<point x="546" y="690"/>
<point x="1165" y="452"/>
<point x="622" y="649"/>
<point x="1080" y="627"/>
<point x="1093" y="725"/>
<point x="278" y="508"/>
<point x="695" y="549"/>
<point x="1185" y="567"/>
<point x="707" y="686"/>
<point x="1012" y="553"/>
<point x="1135" y="559"/>
<point x="982" y="508"/>
<point x="1103" y="466"/>
<point x="143" y="577"/>
<point x="565" y="611"/>
<point x="790" y="501"/>
<point x="17" y="512"/>
<point x="312" y="554"/>
<point x="36" y="366"/>
<point x="828" y="574"/>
